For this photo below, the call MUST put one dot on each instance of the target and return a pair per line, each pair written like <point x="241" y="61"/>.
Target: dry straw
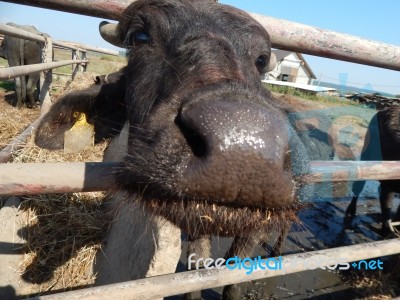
<point x="63" y="231"/>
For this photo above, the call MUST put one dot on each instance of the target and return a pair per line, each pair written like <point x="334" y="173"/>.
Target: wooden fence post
<point x="83" y="66"/>
<point x="78" y="55"/>
<point x="46" y="77"/>
<point x="75" y="67"/>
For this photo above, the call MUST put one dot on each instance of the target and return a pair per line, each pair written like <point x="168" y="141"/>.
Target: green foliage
<point x="7" y="85"/>
<point x="308" y="95"/>
<point x="287" y="90"/>
<point x="3" y="62"/>
<point x="112" y="58"/>
<point x="99" y="63"/>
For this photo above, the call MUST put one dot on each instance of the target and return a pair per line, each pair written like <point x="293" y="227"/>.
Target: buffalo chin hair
<point x="205" y="218"/>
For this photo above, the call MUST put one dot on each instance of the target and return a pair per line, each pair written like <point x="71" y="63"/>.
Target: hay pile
<point x="63" y="231"/>
<point x="377" y="284"/>
<point x="13" y="120"/>
<point x="63" y="234"/>
<point x="64" y="86"/>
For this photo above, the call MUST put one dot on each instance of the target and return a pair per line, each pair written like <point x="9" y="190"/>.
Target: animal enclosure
<point x="78" y="62"/>
<point x="86" y="176"/>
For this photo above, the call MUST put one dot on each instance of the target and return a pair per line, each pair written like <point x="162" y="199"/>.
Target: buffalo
<point x="19" y="52"/>
<point x="203" y="145"/>
<point x="382" y="143"/>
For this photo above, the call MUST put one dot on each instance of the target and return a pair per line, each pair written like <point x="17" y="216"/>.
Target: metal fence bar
<point x="337" y="171"/>
<point x="31" y="178"/>
<point x="306" y="39"/>
<point x="284" y="34"/>
<point x="100" y="50"/>
<point x="179" y="283"/>
<point x="66" y="45"/>
<point x="13" y="72"/>
<point x="93" y="48"/>
<point x="108" y="9"/>
<point x="20" y="33"/>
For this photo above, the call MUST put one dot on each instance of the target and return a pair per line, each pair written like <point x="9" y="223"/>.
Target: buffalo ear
<point x="60" y="118"/>
<point x="103" y="105"/>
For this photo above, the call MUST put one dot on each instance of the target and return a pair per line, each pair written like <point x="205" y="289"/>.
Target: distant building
<point x="291" y="67"/>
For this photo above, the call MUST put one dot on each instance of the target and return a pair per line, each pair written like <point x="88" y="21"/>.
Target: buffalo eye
<point x="135" y="38"/>
<point x="141" y="37"/>
<point x="262" y="63"/>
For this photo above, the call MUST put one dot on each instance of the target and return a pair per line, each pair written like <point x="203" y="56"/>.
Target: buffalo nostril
<point x="193" y="139"/>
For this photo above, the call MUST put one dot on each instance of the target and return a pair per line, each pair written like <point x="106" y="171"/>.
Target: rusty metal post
<point x="306" y="39"/>
<point x="52" y="177"/>
<point x="184" y="282"/>
<point x="35" y="178"/>
<point x="284" y="34"/>
<point x="109" y="9"/>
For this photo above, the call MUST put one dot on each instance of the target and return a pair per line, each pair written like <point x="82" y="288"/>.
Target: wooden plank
<point x="179" y="283"/>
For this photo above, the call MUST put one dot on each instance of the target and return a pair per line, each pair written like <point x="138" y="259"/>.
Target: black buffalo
<point x="382" y="143"/>
<point x="208" y="147"/>
<point x="19" y="52"/>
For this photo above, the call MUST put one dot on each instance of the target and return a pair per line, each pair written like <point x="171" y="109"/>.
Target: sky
<point x="374" y="20"/>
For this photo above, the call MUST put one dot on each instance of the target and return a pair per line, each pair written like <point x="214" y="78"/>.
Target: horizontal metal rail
<point x="13" y="72"/>
<point x="31" y="178"/>
<point x="101" y="50"/>
<point x="66" y="45"/>
<point x="108" y="9"/>
<point x="20" y="33"/>
<point x="179" y="283"/>
<point x="306" y="39"/>
<point x="338" y="171"/>
<point x="93" y="48"/>
<point x="284" y="34"/>
<point x="46" y="178"/>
